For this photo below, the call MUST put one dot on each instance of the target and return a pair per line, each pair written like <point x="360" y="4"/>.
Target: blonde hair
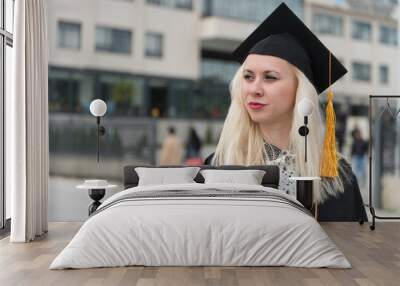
<point x="241" y="141"/>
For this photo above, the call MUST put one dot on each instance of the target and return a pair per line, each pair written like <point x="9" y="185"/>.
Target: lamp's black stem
<point x="305" y="139"/>
<point x="305" y="153"/>
<point x="98" y="137"/>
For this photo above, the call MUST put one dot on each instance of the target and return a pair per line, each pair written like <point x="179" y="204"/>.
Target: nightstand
<point x="304" y="192"/>
<point x="96" y="190"/>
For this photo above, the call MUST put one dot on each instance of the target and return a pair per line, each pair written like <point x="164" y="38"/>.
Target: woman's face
<point x="269" y="87"/>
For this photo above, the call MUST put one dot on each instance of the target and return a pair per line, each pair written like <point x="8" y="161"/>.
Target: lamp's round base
<point x="96" y="195"/>
<point x="303" y="130"/>
<point x="93" y="207"/>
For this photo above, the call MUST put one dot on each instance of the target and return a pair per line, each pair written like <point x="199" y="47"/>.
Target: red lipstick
<point x="256" y="105"/>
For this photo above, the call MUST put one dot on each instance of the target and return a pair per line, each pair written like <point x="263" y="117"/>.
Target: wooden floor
<point x="374" y="255"/>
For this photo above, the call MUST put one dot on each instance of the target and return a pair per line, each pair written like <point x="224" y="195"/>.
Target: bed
<point x="201" y="223"/>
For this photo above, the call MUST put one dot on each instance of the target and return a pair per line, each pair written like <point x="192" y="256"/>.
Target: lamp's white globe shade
<point x="305" y="107"/>
<point x="98" y="107"/>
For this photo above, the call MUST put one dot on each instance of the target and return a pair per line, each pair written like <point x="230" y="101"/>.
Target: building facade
<point x="363" y="34"/>
<point x="171" y="58"/>
<point x="168" y="59"/>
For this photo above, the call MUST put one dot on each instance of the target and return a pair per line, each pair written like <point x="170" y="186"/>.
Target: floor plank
<point x="374" y="255"/>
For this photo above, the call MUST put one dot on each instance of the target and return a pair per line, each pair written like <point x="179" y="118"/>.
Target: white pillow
<point x="249" y="177"/>
<point x="162" y="176"/>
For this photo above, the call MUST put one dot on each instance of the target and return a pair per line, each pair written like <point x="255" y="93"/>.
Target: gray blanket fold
<point x="206" y="194"/>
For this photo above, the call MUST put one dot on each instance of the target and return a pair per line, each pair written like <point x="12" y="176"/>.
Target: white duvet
<point x="200" y="231"/>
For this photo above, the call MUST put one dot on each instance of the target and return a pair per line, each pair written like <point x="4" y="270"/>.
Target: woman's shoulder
<point x="344" y="166"/>
<point x="348" y="205"/>
<point x="343" y="162"/>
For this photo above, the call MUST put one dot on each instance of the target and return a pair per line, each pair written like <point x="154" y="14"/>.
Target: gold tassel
<point x="329" y="161"/>
<point x="329" y="157"/>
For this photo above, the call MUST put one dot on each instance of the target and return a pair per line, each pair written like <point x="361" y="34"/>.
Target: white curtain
<point x="27" y="152"/>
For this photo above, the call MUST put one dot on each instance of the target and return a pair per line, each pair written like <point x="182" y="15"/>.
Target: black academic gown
<point x="346" y="206"/>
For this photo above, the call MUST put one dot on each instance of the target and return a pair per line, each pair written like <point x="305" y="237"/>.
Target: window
<point x="388" y="35"/>
<point x="384" y="74"/>
<point x="181" y="4"/>
<point x="361" y="71"/>
<point x="113" y="40"/>
<point x="154" y="45"/>
<point x="253" y="11"/>
<point x="6" y="44"/>
<point x="328" y="24"/>
<point x="218" y="70"/>
<point x="69" y="35"/>
<point x="64" y="95"/>
<point x="155" y="2"/>
<point x="184" y="4"/>
<point x="362" y="31"/>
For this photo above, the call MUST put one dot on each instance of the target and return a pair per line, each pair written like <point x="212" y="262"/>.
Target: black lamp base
<point x="304" y="193"/>
<point x="96" y="195"/>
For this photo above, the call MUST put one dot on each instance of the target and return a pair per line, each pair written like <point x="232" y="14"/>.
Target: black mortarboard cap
<point x="285" y="36"/>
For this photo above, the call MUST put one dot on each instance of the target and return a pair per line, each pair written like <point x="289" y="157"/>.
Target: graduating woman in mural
<point x="283" y="62"/>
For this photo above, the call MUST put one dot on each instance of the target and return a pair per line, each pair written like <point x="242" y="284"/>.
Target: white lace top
<point x="286" y="163"/>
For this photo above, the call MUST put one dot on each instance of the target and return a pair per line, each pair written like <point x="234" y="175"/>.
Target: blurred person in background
<point x="193" y="148"/>
<point x="171" y="149"/>
<point x="359" y="149"/>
